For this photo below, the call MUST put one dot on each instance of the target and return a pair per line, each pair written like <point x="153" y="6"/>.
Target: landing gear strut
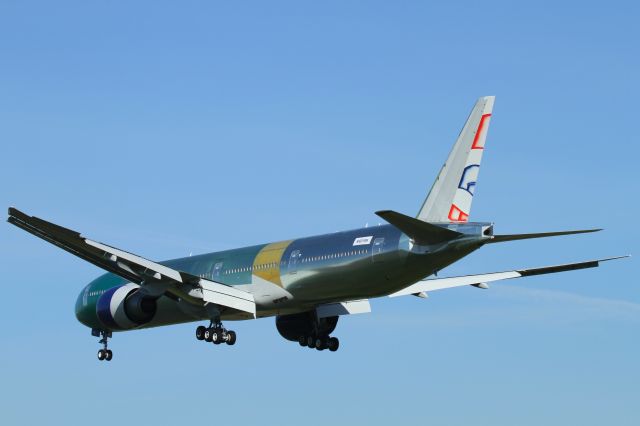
<point x="216" y="333"/>
<point x="105" y="353"/>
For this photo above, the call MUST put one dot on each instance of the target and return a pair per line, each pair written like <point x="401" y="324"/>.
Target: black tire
<point x="333" y="344"/>
<point x="208" y="334"/>
<point x="109" y="355"/>
<point x="101" y="354"/>
<point x="321" y="343"/>
<point x="231" y="337"/>
<point x="216" y="337"/>
<point x="302" y="340"/>
<point x="311" y="342"/>
<point x="200" y="330"/>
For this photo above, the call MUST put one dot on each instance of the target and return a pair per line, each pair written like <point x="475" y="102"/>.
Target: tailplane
<point x="421" y="232"/>
<point x="451" y="195"/>
<point x="515" y="237"/>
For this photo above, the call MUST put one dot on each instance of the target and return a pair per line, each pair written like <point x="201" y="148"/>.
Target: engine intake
<point x="140" y="308"/>
<point x="125" y="307"/>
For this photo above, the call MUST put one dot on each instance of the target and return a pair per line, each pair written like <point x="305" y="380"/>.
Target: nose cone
<point x="89" y="296"/>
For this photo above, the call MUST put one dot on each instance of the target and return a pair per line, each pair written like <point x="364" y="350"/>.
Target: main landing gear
<point x="216" y="333"/>
<point x="105" y="353"/>
<point x="309" y="330"/>
<point x="320" y="342"/>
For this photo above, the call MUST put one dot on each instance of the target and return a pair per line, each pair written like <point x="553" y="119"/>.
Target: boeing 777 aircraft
<point x="306" y="283"/>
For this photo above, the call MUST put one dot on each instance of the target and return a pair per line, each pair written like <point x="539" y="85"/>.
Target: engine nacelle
<point x="125" y="307"/>
<point x="291" y="327"/>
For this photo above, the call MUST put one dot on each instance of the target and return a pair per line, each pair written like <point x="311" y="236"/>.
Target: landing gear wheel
<point x="103" y="353"/>
<point x="302" y="340"/>
<point x="216" y="333"/>
<point x="321" y="343"/>
<point x="200" y="331"/>
<point x="311" y="342"/>
<point x="333" y="344"/>
<point x="231" y="337"/>
<point x="216" y="337"/>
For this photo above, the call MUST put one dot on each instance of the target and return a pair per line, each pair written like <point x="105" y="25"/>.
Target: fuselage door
<point x="293" y="261"/>
<point x="377" y="249"/>
<point x="217" y="270"/>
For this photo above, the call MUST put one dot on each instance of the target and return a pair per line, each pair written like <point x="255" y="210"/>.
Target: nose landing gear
<point x="104" y="354"/>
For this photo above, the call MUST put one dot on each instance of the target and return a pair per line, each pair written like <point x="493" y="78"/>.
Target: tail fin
<point x="452" y="193"/>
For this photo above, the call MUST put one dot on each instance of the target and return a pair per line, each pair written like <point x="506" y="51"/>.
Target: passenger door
<point x="216" y="271"/>
<point x="294" y="259"/>
<point x="377" y="249"/>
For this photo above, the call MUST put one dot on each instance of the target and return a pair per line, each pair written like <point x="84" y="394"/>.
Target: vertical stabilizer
<point x="452" y="193"/>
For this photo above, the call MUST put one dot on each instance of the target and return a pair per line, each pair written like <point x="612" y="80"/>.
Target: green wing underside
<point x="68" y="240"/>
<point x="156" y="279"/>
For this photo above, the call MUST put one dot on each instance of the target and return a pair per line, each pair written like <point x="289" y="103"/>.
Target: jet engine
<point x="292" y="327"/>
<point x="125" y="307"/>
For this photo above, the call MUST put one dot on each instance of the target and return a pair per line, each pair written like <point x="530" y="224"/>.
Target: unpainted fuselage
<point x="298" y="275"/>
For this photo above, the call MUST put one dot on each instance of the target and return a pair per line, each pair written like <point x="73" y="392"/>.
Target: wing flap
<point x="225" y="295"/>
<point x="141" y="262"/>
<point x="344" y="308"/>
<point x="433" y="284"/>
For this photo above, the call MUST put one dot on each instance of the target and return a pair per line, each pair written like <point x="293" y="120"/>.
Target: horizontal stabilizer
<point x="421" y="232"/>
<point x="432" y="284"/>
<point x="514" y="237"/>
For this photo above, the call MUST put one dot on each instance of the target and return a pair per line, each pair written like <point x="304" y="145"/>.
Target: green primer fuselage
<point x="298" y="275"/>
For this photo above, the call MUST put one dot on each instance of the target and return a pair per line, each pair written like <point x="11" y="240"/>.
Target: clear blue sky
<point x="166" y="128"/>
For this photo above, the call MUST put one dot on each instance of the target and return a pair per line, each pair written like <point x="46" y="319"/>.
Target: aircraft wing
<point x="432" y="284"/>
<point x="152" y="276"/>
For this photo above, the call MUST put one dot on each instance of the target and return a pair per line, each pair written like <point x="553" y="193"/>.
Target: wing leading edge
<point x="480" y="280"/>
<point x="152" y="276"/>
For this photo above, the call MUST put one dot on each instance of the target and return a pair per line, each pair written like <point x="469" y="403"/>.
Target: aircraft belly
<point x="355" y="280"/>
<point x="363" y="279"/>
<point x="307" y="288"/>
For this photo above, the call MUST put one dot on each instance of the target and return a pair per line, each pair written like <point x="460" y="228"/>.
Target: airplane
<point x="306" y="283"/>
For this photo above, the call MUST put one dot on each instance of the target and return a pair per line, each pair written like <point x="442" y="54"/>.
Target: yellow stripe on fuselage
<point x="267" y="263"/>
